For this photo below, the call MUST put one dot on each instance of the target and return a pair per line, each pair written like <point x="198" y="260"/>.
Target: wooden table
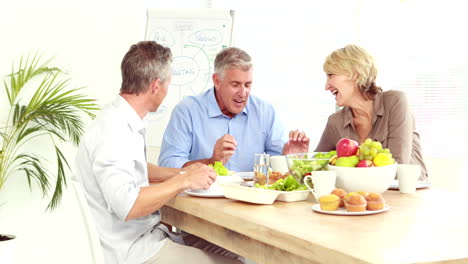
<point x="430" y="226"/>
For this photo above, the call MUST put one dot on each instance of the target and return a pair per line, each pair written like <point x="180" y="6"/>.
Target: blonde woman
<point x="368" y="112"/>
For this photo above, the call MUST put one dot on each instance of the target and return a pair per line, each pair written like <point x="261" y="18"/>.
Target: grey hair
<point x="231" y="58"/>
<point x="144" y="62"/>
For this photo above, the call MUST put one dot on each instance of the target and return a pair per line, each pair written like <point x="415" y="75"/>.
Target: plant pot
<point x="7" y="248"/>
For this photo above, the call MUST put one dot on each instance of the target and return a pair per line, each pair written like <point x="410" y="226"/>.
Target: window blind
<point x="439" y="101"/>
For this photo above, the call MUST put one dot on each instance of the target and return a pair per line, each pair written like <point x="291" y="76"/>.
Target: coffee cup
<point x="323" y="183"/>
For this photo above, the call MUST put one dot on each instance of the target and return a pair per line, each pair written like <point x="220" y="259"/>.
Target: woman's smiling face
<point x="343" y="88"/>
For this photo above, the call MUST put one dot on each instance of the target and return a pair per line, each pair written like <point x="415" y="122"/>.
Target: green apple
<point x="350" y="161"/>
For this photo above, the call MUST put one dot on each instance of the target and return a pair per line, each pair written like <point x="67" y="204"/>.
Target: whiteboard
<point x="194" y="36"/>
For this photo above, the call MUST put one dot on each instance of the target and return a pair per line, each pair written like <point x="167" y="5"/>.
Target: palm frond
<point x="34" y="170"/>
<point x="54" y="105"/>
<point x="55" y="111"/>
<point x="61" y="180"/>
<point x="24" y="73"/>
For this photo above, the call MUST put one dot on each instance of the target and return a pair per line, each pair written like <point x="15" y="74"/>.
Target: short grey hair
<point x="144" y="62"/>
<point x="231" y="58"/>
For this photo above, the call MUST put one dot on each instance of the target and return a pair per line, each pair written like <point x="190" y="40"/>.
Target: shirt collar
<point x="134" y="121"/>
<point x="213" y="107"/>
<point x="378" y="111"/>
<point x="378" y="105"/>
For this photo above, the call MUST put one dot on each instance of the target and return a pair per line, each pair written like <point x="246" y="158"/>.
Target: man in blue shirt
<point x="226" y="123"/>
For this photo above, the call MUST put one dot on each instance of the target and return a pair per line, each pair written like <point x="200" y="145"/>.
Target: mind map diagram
<point x="194" y="44"/>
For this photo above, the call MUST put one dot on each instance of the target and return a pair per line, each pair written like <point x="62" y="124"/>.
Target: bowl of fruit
<point x="367" y="167"/>
<point x="302" y="164"/>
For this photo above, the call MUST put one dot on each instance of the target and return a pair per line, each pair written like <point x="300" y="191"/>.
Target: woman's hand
<point x="298" y="143"/>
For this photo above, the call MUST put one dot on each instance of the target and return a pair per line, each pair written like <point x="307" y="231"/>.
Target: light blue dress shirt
<point x="111" y="166"/>
<point x="197" y="123"/>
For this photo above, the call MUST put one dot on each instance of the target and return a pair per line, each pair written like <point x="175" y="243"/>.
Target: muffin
<point x="364" y="194"/>
<point x="329" y="202"/>
<point x="340" y="193"/>
<point x="354" y="202"/>
<point x="375" y="201"/>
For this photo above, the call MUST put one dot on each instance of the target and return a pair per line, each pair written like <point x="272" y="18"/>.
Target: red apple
<point x="365" y="164"/>
<point x="346" y="147"/>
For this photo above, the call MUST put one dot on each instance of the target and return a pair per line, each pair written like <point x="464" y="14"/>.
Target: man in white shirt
<point x="112" y="168"/>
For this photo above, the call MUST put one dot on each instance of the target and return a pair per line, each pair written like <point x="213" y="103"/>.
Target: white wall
<point x="288" y="41"/>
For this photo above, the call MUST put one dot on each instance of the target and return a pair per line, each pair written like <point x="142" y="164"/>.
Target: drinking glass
<point x="261" y="168"/>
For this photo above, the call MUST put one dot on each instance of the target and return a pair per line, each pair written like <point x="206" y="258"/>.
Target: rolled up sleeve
<point x="117" y="172"/>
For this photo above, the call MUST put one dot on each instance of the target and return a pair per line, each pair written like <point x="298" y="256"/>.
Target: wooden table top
<point x="430" y="226"/>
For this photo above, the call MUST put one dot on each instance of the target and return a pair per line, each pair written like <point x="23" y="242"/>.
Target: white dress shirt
<point x="111" y="166"/>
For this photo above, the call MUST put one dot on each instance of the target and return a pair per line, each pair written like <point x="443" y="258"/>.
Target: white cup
<point x="279" y="164"/>
<point x="408" y="175"/>
<point x="323" y="181"/>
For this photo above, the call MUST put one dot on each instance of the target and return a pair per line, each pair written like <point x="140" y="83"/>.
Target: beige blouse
<point x="393" y="125"/>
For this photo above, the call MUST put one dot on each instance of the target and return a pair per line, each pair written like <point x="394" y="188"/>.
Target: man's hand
<point x="298" y="143"/>
<point x="199" y="177"/>
<point x="224" y="149"/>
<point x="192" y="166"/>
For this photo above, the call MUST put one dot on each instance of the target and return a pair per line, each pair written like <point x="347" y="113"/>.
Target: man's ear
<point x="216" y="79"/>
<point x="155" y="85"/>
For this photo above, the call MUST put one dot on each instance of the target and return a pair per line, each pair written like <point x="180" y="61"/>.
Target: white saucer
<point x="419" y="185"/>
<point x="248" y="175"/>
<point x="204" y="193"/>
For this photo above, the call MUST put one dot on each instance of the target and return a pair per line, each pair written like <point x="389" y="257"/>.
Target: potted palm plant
<point x="41" y="105"/>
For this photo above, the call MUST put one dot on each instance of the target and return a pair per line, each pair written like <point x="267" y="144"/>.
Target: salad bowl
<point x="302" y="164"/>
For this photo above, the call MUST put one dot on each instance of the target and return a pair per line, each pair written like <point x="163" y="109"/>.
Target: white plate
<point x="248" y="175"/>
<point x="419" y="185"/>
<point x="229" y="178"/>
<point x="247" y="183"/>
<point x="204" y="193"/>
<point x="342" y="211"/>
<point x="248" y="194"/>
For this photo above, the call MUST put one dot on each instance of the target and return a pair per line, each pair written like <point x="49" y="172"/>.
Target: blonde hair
<point x="354" y="62"/>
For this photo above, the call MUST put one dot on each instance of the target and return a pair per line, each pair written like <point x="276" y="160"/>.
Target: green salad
<point x="302" y="166"/>
<point x="286" y="184"/>
<point x="219" y="168"/>
<point x="323" y="155"/>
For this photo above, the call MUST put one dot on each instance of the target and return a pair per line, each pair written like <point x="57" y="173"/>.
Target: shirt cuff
<point x="174" y="163"/>
<point x="123" y="201"/>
